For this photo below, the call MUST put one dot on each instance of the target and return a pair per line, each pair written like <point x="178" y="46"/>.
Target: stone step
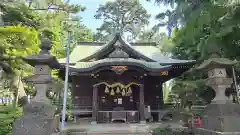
<point x="80" y="133"/>
<point x="117" y="132"/>
<point x="113" y="133"/>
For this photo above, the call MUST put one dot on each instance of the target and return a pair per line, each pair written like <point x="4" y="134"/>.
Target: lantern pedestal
<point x="37" y="119"/>
<point x="220" y="119"/>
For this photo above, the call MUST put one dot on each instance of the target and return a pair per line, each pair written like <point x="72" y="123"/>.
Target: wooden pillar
<point x="94" y="105"/>
<point x="74" y="94"/>
<point x="141" y="106"/>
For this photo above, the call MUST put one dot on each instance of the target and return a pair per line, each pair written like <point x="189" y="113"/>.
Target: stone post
<point x="222" y="116"/>
<point x="38" y="115"/>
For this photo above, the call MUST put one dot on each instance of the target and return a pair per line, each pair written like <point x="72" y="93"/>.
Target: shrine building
<point x="119" y="81"/>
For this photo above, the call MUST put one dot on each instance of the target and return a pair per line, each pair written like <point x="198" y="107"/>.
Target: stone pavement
<point x="117" y="128"/>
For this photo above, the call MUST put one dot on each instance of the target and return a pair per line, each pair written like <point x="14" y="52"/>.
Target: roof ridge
<point x="94" y="43"/>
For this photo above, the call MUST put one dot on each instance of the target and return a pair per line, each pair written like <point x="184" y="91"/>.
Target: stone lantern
<point x="38" y="115"/>
<point x="222" y="116"/>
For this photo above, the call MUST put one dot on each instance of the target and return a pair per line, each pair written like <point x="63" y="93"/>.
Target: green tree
<point x="162" y="40"/>
<point x="203" y="24"/>
<point x="24" y="24"/>
<point x="122" y="16"/>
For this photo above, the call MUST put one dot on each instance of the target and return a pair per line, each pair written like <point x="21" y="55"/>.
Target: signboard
<point x="119" y="69"/>
<point x="165" y="73"/>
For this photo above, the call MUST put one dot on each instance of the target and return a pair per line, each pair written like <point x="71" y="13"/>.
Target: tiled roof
<point x="119" y="61"/>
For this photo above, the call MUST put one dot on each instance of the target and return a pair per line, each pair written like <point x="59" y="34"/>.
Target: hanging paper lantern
<point x="118" y="90"/>
<point x="112" y="92"/>
<point x="123" y="92"/>
<point x="106" y="89"/>
<point x="129" y="90"/>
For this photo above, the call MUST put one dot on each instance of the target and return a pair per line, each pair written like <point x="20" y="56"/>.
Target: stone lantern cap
<point x="215" y="61"/>
<point x="44" y="57"/>
<point x="212" y="63"/>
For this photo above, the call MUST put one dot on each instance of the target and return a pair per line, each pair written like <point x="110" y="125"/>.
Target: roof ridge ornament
<point x="118" y="52"/>
<point x="118" y="44"/>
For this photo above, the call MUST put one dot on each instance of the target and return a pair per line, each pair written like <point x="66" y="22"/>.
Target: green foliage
<point x="170" y="131"/>
<point x="205" y="24"/>
<point x="18" y="13"/>
<point x="17" y="42"/>
<point x="166" y="90"/>
<point x="57" y="5"/>
<point x="25" y="23"/>
<point x="7" y="115"/>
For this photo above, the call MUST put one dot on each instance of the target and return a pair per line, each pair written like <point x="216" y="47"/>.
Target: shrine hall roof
<point x="85" y="51"/>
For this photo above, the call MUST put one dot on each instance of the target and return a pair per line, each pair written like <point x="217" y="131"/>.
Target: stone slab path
<point x="117" y="129"/>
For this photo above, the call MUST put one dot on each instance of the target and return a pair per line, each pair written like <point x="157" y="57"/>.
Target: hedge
<point x="7" y="115"/>
<point x="171" y="131"/>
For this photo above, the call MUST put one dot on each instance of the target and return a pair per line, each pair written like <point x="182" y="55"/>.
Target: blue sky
<point x="92" y="5"/>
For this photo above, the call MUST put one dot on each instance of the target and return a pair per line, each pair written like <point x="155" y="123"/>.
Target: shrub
<point x="169" y="131"/>
<point x="7" y="115"/>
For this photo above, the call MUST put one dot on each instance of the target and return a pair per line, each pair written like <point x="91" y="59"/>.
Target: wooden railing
<point x="116" y="116"/>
